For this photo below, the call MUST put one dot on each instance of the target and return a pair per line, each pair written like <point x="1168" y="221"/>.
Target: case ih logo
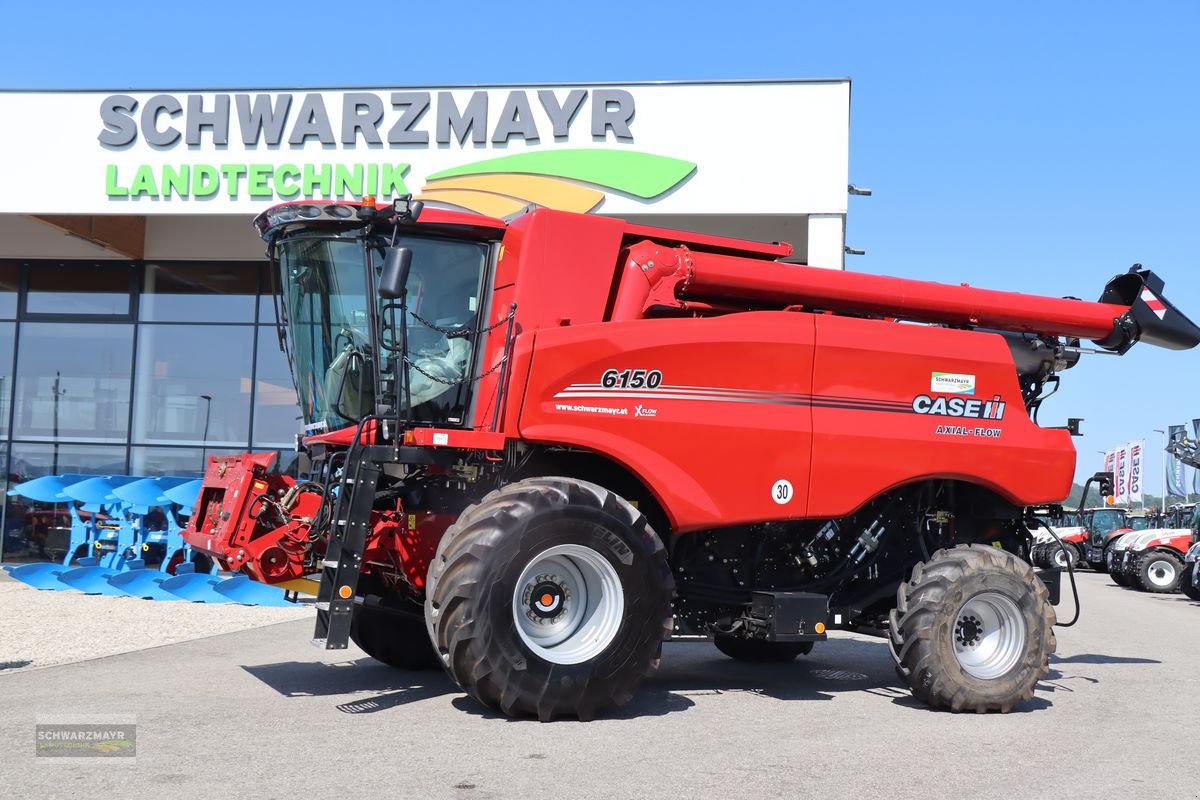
<point x="959" y="407"/>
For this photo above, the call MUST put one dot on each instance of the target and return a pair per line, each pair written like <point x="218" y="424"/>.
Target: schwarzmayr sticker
<point x="952" y="383"/>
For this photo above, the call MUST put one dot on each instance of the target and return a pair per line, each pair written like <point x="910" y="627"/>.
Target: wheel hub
<point x="568" y="604"/>
<point x="547" y="599"/>
<point x="968" y="631"/>
<point x="989" y="635"/>
<point x="1161" y="573"/>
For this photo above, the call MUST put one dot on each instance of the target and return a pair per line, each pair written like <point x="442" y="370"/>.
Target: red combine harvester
<point x="542" y="446"/>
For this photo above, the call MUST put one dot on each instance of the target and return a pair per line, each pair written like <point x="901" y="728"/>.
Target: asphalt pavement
<point x="261" y="713"/>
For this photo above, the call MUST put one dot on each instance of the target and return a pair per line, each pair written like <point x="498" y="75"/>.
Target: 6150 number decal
<point x="631" y="379"/>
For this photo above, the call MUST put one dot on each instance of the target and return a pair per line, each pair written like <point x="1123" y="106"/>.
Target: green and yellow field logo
<point x="565" y="180"/>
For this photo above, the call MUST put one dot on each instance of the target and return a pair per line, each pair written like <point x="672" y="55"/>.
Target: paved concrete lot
<point x="261" y="713"/>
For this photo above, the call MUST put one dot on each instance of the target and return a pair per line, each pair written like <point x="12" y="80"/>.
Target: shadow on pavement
<point x="1099" y="658"/>
<point x="689" y="670"/>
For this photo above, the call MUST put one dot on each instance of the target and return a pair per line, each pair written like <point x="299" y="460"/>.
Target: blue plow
<point x="117" y="522"/>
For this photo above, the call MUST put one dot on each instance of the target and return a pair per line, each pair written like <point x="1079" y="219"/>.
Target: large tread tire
<point x="396" y="640"/>
<point x="1059" y="557"/>
<point x="1119" y="576"/>
<point x="469" y="598"/>
<point x="757" y="651"/>
<point x="923" y="623"/>
<point x="1153" y="564"/>
<point x="1187" y="584"/>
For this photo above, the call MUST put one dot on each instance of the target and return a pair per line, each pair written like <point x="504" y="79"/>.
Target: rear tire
<point x="761" y="652"/>
<point x="972" y="630"/>
<point x="1159" y="572"/>
<point x="396" y="640"/>
<point x="550" y="598"/>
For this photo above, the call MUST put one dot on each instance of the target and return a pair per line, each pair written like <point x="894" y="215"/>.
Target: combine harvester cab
<point x="542" y="445"/>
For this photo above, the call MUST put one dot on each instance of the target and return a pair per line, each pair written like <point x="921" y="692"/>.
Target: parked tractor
<point x="541" y="446"/>
<point x="1190" y="583"/>
<point x="1104" y="526"/>
<point x="1057" y="526"/>
<point x="1153" y="560"/>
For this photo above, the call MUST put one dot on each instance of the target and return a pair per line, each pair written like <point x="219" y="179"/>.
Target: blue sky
<point x="1038" y="147"/>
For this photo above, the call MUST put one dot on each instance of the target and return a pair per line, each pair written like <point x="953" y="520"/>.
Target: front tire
<point x="550" y="598"/>
<point x="1159" y="572"/>
<point x="758" y="651"/>
<point x="1187" y="583"/>
<point x="396" y="640"/>
<point x="972" y="630"/>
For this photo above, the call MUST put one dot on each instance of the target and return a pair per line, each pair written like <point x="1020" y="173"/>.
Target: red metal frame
<point x="626" y="344"/>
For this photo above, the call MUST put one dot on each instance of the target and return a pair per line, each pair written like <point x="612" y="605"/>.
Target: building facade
<point x="137" y="328"/>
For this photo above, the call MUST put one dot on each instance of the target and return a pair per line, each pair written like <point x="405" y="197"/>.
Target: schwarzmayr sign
<point x="400" y="122"/>
<point x="753" y="147"/>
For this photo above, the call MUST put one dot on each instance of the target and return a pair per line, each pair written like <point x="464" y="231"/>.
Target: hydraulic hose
<point x="1070" y="571"/>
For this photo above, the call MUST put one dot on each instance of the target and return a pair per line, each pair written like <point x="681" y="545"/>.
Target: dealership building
<point x="137" y="330"/>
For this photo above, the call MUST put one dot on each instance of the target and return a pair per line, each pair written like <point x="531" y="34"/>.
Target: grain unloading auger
<point x="540" y="446"/>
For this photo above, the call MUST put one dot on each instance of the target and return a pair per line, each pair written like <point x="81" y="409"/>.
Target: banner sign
<point x="760" y="147"/>
<point x="1176" y="479"/>
<point x="1196" y="472"/>
<point x="1135" y="450"/>
<point x="1121" y="485"/>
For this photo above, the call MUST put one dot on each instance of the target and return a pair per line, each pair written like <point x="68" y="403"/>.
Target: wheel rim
<point x="1161" y="573"/>
<point x="568" y="604"/>
<point x="989" y="635"/>
<point x="1060" y="558"/>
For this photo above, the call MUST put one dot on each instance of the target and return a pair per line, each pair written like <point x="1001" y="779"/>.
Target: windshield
<point x="1106" y="521"/>
<point x="333" y="347"/>
<point x="1139" y="523"/>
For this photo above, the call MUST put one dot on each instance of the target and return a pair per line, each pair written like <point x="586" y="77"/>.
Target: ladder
<point x="342" y="564"/>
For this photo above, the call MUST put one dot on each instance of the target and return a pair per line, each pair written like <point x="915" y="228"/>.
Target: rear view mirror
<point x="396" y="263"/>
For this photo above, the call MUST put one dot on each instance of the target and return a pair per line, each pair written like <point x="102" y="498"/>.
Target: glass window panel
<point x="73" y="381"/>
<point x="180" y="462"/>
<point x="100" y="289"/>
<point x="266" y="303"/>
<point x="10" y="280"/>
<point x="216" y="292"/>
<point x="7" y="330"/>
<point x="193" y="385"/>
<point x="289" y="462"/>
<point x="277" y="417"/>
<point x="36" y="531"/>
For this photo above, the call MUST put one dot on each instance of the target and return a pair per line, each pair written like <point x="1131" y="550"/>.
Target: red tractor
<point x="1155" y="561"/>
<point x="542" y="446"/>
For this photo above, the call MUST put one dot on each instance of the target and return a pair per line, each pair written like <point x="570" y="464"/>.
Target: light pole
<point x="204" y="447"/>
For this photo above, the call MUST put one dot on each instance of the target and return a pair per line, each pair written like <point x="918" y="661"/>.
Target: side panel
<point x="712" y="414"/>
<point x="899" y="402"/>
<point x="566" y="265"/>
